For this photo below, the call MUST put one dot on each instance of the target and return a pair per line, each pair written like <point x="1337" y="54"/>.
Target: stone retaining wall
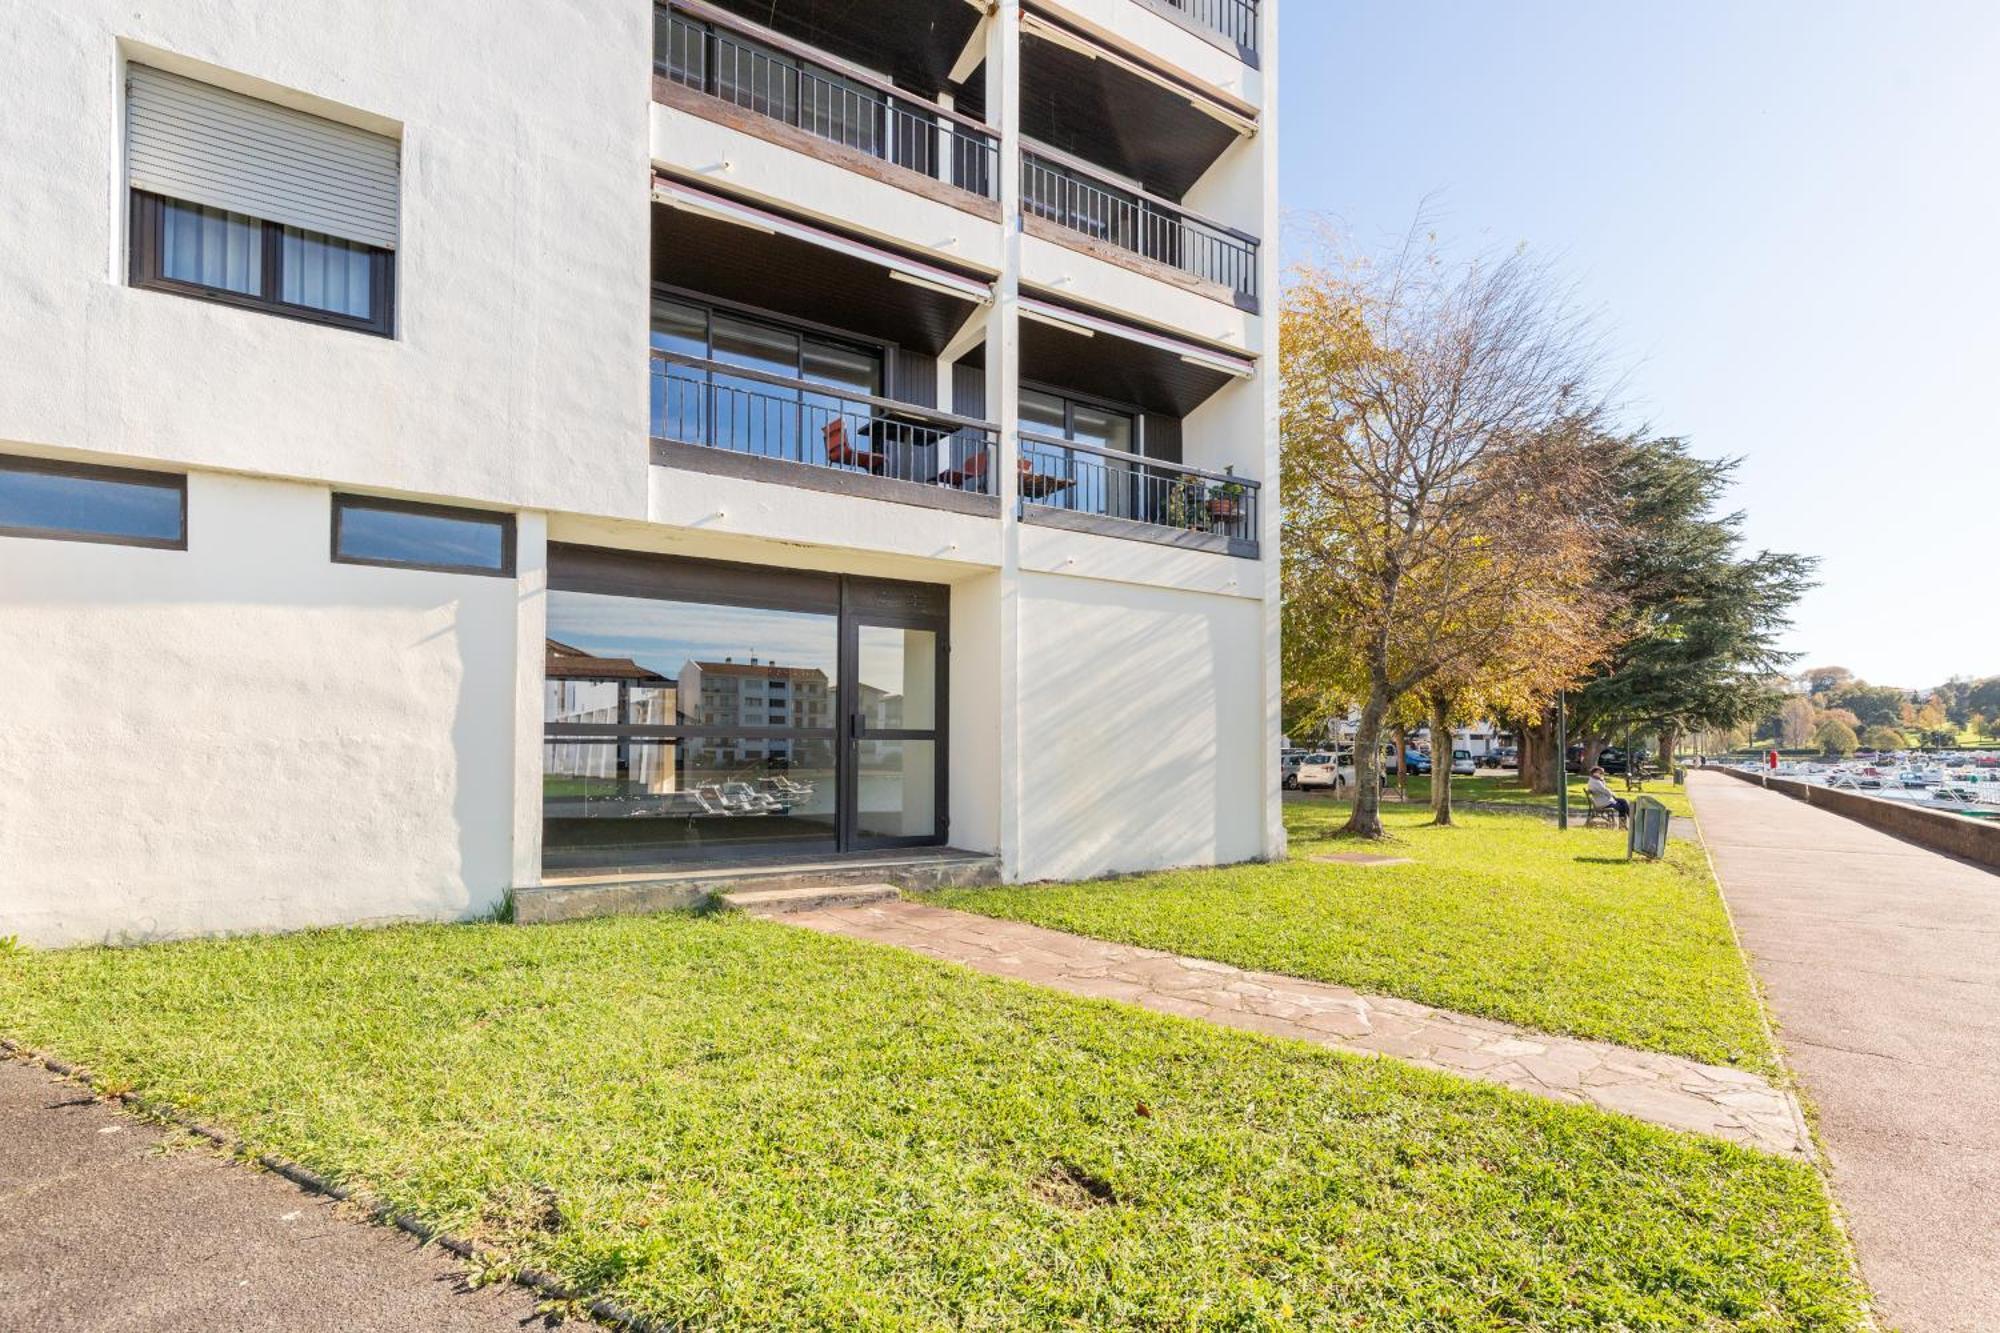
<point x="1974" y="840"/>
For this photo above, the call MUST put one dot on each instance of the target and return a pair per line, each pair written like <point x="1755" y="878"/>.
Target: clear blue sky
<point x="1787" y="214"/>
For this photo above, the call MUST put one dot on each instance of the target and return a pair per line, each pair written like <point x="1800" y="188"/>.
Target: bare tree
<point x="1437" y="482"/>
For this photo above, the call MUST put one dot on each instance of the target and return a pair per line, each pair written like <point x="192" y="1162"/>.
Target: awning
<point x="680" y="195"/>
<point x="1209" y="358"/>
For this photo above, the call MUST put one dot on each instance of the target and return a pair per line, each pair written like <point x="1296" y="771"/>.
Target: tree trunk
<point x="1402" y="764"/>
<point x="1593" y="750"/>
<point x="1670" y="740"/>
<point x="1365" y="820"/>
<point x="1546" y="769"/>
<point x="1440" y="761"/>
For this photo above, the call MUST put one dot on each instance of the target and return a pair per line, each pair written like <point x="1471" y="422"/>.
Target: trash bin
<point x="1646" y="832"/>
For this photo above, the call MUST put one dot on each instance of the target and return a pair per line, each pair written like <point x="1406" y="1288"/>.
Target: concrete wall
<point x="1973" y="840"/>
<point x="245" y="735"/>
<point x="518" y="373"/>
<point x="1139" y="713"/>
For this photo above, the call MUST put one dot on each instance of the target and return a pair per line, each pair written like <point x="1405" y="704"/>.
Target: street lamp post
<point x="1562" y="763"/>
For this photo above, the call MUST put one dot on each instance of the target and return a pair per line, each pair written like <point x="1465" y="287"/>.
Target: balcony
<point x="712" y="416"/>
<point x="1072" y="485"/>
<point x="1130" y="222"/>
<point x="1234" y="21"/>
<point x="764" y="83"/>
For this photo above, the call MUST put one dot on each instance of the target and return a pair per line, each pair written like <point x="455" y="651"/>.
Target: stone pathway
<point x="1666" y="1090"/>
<point x="1881" y="960"/>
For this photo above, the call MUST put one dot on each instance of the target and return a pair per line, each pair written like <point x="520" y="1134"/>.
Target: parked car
<point x="1288" y="768"/>
<point x="1506" y="757"/>
<point x="1326" y="770"/>
<point x="1418" y="761"/>
<point x="1462" y="765"/>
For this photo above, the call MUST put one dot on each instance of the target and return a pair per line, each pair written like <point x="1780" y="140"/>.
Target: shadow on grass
<point x="1605" y="861"/>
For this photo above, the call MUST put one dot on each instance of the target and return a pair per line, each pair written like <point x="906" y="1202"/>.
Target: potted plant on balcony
<point x="1225" y="500"/>
<point x="1187" y="503"/>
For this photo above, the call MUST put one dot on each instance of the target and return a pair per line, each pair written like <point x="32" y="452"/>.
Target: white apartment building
<point x="412" y="412"/>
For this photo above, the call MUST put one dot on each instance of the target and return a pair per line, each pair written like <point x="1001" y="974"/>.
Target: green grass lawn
<point x="729" y="1123"/>
<point x="1501" y="915"/>
<point x="1507" y="789"/>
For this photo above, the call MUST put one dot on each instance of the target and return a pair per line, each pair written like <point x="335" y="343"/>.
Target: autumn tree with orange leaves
<point x="1440" y="492"/>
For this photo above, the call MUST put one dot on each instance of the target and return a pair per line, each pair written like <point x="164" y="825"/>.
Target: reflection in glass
<point x="401" y="537"/>
<point x="613" y="803"/>
<point x="898" y="685"/>
<point x="58" y="502"/>
<point x="725" y="666"/>
<point x="680" y="400"/>
<point x="896" y="795"/>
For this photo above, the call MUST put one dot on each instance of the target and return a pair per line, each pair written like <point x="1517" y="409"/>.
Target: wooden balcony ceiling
<point x="796" y="278"/>
<point x="1095" y="110"/>
<point x="1111" y="368"/>
<point x="914" y="42"/>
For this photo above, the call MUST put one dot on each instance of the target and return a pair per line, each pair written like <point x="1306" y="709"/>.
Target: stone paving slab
<point x="1881" y="961"/>
<point x="1667" y="1090"/>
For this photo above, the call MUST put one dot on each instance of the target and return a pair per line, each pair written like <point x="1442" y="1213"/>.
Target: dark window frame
<point x="343" y="501"/>
<point x="148" y="272"/>
<point x="173" y="481"/>
<point x="852" y="601"/>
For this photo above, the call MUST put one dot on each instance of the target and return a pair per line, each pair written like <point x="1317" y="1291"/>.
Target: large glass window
<point x="79" y="502"/>
<point x="750" y="413"/>
<point x="1090" y="483"/>
<point x="678" y="730"/>
<point x="737" y="714"/>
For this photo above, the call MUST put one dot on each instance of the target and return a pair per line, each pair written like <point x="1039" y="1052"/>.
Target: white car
<point x="1288" y="767"/>
<point x="1462" y="765"/>
<point x="1326" y="771"/>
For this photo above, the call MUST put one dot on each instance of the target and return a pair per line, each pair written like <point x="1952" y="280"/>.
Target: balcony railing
<point x="1234" y="19"/>
<point x="1137" y="222"/>
<point x="710" y="403"/>
<point x="775" y="78"/>
<point x="1063" y="474"/>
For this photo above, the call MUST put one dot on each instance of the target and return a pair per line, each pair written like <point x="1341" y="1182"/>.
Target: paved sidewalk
<point x="102" y="1231"/>
<point x="1882" y="964"/>
<point x="1664" y="1089"/>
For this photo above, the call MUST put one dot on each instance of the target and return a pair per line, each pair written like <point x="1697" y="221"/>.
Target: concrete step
<point x="778" y="902"/>
<point x="570" y="898"/>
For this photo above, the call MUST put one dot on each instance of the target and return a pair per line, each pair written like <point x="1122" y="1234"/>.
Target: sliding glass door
<point x="700" y="711"/>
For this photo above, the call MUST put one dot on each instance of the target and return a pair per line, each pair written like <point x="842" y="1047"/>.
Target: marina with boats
<point x="1954" y="783"/>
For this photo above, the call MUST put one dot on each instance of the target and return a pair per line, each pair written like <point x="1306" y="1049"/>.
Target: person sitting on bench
<point x="1603" y="798"/>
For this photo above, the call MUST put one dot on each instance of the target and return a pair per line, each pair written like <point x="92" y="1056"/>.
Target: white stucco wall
<point x="799" y="183"/>
<point x="518" y="373"/>
<point x="245" y="735"/>
<point x="1141" y="728"/>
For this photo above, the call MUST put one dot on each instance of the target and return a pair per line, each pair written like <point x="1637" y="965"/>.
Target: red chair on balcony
<point x="971" y="474"/>
<point x="841" y="453"/>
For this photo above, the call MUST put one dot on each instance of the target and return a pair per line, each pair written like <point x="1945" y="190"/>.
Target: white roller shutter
<point x="206" y="145"/>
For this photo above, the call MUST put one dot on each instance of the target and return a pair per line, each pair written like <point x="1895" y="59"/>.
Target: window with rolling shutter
<point x="245" y="202"/>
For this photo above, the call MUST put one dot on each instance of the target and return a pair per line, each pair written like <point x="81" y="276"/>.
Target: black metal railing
<point x="781" y="82"/>
<point x="1063" y="474"/>
<point x="710" y="403"/>
<point x="1234" y="19"/>
<point x="1146" y="226"/>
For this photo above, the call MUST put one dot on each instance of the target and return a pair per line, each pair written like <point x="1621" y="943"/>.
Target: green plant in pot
<point x="1225" y="500"/>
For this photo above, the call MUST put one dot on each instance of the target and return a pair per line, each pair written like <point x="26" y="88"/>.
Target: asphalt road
<point x="1882" y="963"/>
<point x="102" y="1229"/>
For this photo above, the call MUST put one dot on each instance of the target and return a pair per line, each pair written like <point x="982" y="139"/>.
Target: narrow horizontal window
<point x="82" y="502"/>
<point x="420" y="536"/>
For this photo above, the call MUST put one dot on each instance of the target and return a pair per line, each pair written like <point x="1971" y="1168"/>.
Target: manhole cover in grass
<point x="1363" y="859"/>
